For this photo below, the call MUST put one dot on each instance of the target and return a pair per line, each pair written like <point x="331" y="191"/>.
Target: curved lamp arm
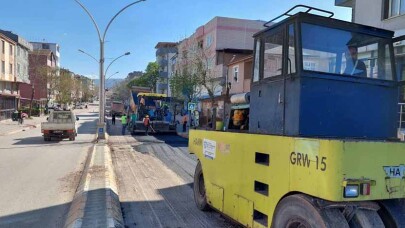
<point x="115" y="16"/>
<point x="91" y="17"/>
<point x="127" y="53"/>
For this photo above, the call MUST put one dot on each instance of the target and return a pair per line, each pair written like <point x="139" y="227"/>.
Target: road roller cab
<point x="321" y="148"/>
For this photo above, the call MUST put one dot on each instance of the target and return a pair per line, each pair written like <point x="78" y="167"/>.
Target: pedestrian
<point x="146" y="123"/>
<point x="124" y="123"/>
<point x="185" y="120"/>
<point x="19" y="117"/>
<point x="113" y="119"/>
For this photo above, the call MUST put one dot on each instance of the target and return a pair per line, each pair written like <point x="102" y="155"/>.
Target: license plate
<point x="395" y="171"/>
<point x="57" y="131"/>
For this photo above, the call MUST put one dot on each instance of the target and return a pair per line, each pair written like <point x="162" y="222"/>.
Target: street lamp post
<point x="101" y="123"/>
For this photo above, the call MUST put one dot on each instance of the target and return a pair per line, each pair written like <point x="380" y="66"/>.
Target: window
<point x="336" y="51"/>
<point x="18" y="51"/>
<point x="18" y="69"/>
<point x="273" y="55"/>
<point x="209" y="40"/>
<point x="11" y="69"/>
<point x="291" y="49"/>
<point x="11" y="49"/>
<point x="3" y="47"/>
<point x="236" y="73"/>
<point x="3" y="67"/>
<point x="45" y="46"/>
<point x="256" y="69"/>
<point x="393" y="8"/>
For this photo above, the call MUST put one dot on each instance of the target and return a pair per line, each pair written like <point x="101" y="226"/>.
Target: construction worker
<point x="185" y="120"/>
<point x="146" y="123"/>
<point x="124" y="122"/>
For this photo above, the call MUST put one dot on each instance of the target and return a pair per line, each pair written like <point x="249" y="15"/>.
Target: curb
<point x="96" y="202"/>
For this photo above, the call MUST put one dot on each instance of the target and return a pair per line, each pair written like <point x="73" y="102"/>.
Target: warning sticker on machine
<point x="209" y="148"/>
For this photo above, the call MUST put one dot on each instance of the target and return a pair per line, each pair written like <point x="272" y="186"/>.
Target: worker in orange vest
<point x="184" y="121"/>
<point x="146" y="123"/>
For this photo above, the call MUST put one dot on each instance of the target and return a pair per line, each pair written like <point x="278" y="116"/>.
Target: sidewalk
<point x="8" y="127"/>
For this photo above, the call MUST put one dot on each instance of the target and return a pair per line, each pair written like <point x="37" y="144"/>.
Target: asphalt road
<point x="155" y="175"/>
<point x="38" y="179"/>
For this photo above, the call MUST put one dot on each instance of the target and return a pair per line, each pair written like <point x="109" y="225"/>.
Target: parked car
<point x="61" y="124"/>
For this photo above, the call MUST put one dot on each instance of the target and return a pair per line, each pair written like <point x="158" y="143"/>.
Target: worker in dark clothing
<point x="354" y="66"/>
<point x="113" y="119"/>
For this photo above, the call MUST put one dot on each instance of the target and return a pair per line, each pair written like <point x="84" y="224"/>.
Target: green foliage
<point x="184" y="84"/>
<point x="149" y="78"/>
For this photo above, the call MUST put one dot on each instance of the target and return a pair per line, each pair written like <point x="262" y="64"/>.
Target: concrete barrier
<point x="96" y="202"/>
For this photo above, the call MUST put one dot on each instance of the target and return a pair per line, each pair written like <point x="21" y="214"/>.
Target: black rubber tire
<point x="297" y="211"/>
<point x="47" y="139"/>
<point x="200" y="197"/>
<point x="72" y="139"/>
<point x="392" y="213"/>
<point x="366" y="219"/>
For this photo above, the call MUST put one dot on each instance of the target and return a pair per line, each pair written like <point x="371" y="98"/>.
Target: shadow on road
<point x="176" y="209"/>
<point x="34" y="141"/>
<point x="88" y="127"/>
<point x="44" y="217"/>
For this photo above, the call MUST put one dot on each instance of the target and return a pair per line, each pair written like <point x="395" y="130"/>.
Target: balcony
<point x="163" y="62"/>
<point x="345" y="3"/>
<point x="163" y="74"/>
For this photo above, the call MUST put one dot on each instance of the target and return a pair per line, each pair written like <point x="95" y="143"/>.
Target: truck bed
<point x="57" y="126"/>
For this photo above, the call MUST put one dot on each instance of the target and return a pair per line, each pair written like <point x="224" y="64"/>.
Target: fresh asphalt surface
<point x="38" y="179"/>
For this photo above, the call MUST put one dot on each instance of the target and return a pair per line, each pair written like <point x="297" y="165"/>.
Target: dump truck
<point x="117" y="108"/>
<point x="321" y="147"/>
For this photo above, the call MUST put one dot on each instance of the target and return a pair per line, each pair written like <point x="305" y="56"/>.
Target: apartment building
<point x="20" y="55"/>
<point x="39" y="88"/>
<point x="240" y="75"/>
<point x="9" y="94"/>
<point x="217" y="43"/>
<point x="164" y="52"/>
<point x="54" y="47"/>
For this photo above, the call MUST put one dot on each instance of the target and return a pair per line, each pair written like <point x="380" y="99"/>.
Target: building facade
<point x="21" y="56"/>
<point x="9" y="94"/>
<point x="240" y="75"/>
<point x="216" y="44"/>
<point x="39" y="90"/>
<point x="164" y="53"/>
<point x="54" y="47"/>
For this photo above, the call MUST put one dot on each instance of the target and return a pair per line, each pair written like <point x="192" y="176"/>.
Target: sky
<point x="136" y="30"/>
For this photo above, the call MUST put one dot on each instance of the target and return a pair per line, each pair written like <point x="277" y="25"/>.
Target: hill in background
<point x="110" y="82"/>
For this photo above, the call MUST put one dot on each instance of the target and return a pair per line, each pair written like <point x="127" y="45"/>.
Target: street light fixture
<point x="80" y="50"/>
<point x="101" y="123"/>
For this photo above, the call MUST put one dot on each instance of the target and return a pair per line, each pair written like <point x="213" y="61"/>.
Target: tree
<point x="183" y="84"/>
<point x="140" y="81"/>
<point x="121" y="91"/>
<point x="149" y="79"/>
<point x="65" y="87"/>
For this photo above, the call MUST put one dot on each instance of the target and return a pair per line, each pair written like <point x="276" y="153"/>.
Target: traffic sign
<point x="192" y="106"/>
